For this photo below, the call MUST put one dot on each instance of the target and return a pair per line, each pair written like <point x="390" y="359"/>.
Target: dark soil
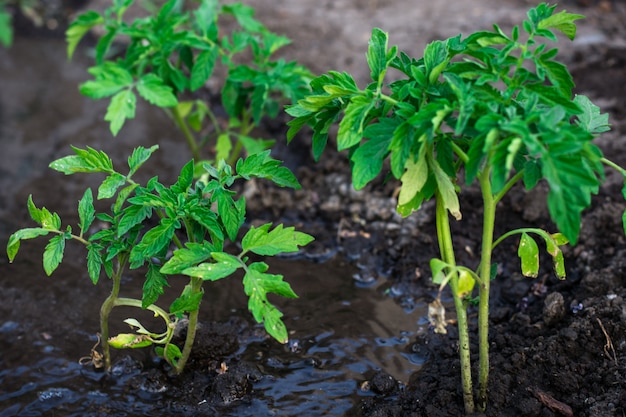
<point x="558" y="348"/>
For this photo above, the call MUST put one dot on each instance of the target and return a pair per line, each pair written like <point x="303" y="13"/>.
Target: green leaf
<point x="559" y="76"/>
<point x="129" y="340"/>
<point x="153" y="242"/>
<point x="437" y="268"/>
<point x="86" y="211"/>
<point x="154" y="91"/>
<point x="122" y="107"/>
<point x="203" y="68"/>
<point x="562" y="22"/>
<point x="368" y="160"/>
<point x="528" y="253"/>
<point x="435" y="59"/>
<point x="224" y="266"/>
<point x="192" y="254"/>
<point x="94" y="262"/>
<point x="252" y="145"/>
<point x="376" y="55"/>
<point x="532" y="173"/>
<point x="261" y="165"/>
<point x="101" y="88"/>
<point x="187" y="302"/>
<point x="223" y="147"/>
<point x="13" y="244"/>
<point x="353" y="123"/>
<point x="262" y="241"/>
<point x="139" y="156"/>
<point x="206" y="15"/>
<point x="185" y="179"/>
<point x="46" y="219"/>
<point x="244" y="15"/>
<point x="110" y="78"/>
<point x="256" y="286"/>
<point x="109" y="186"/>
<point x="53" y="254"/>
<point x="231" y="213"/>
<point x="591" y="119"/>
<point x="78" y="28"/>
<point x="171" y="353"/>
<point x="465" y="283"/>
<point x="208" y="219"/>
<point x="446" y="189"/>
<point x="413" y="178"/>
<point x="86" y="160"/>
<point x="153" y="286"/>
<point x="553" y="243"/>
<point x="133" y="215"/>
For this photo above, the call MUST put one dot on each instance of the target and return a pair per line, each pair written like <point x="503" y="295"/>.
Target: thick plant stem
<point x="105" y="312"/>
<point x="447" y="254"/>
<point x="489" y="216"/>
<point x="196" y="287"/>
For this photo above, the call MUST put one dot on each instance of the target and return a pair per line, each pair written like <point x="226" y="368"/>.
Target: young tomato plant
<point x="492" y="108"/>
<point x="143" y="225"/>
<point x="168" y="56"/>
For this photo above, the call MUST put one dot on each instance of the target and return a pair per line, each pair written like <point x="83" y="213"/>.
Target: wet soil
<point x="361" y="345"/>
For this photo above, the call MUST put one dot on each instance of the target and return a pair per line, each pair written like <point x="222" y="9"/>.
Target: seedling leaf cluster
<point x="492" y="108"/>
<point x="169" y="56"/>
<point x="143" y="224"/>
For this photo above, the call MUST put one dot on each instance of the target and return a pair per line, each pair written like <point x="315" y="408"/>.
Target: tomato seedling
<point x="491" y="108"/>
<point x="167" y="57"/>
<point x="145" y="222"/>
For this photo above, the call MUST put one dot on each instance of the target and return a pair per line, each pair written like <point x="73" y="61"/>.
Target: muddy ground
<point x="577" y="357"/>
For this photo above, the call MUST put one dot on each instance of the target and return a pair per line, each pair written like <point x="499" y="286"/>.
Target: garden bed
<point x="360" y="342"/>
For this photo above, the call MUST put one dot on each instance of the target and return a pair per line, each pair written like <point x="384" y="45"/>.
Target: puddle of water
<point x="339" y="331"/>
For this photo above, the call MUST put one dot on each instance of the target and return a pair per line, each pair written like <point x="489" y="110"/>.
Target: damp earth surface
<point x="360" y="342"/>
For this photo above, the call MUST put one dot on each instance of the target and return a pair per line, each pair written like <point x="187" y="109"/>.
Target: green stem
<point x="613" y="165"/>
<point x="244" y="130"/>
<point x="191" y="140"/>
<point x="196" y="287"/>
<point x="132" y="302"/>
<point x="105" y="310"/>
<point x="447" y="254"/>
<point x="509" y="184"/>
<point x="489" y="217"/>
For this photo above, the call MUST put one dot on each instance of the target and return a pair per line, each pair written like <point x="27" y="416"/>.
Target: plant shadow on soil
<point x="360" y="345"/>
